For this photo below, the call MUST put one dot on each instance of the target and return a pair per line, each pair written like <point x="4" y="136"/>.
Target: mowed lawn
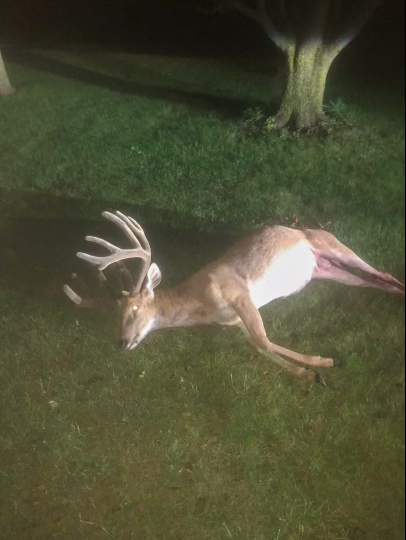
<point x="194" y="436"/>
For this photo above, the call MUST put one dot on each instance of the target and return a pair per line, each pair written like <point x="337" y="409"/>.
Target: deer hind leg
<point x="251" y="323"/>
<point x="341" y="275"/>
<point x="330" y="252"/>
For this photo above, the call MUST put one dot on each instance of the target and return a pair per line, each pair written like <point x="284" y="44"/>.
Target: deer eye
<point x="135" y="308"/>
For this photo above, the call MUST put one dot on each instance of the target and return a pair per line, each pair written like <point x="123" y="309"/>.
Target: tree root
<point x="283" y="120"/>
<point x="297" y="123"/>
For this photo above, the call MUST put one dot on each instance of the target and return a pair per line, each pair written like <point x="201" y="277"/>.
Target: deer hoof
<point x="337" y="363"/>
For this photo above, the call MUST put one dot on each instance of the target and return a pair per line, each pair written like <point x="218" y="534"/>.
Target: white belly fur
<point x="288" y="274"/>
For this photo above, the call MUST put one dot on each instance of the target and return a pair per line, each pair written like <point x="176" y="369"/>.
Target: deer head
<point x="138" y="310"/>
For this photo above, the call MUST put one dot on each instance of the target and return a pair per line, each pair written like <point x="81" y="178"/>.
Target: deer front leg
<point x="252" y="321"/>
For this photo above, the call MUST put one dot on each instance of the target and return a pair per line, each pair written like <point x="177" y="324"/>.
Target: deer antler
<point x="141" y="248"/>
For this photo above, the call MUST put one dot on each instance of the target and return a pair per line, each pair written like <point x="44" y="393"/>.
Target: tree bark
<point x="5" y="86"/>
<point x="302" y="102"/>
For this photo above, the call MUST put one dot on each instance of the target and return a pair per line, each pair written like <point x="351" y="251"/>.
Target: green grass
<point x="194" y="437"/>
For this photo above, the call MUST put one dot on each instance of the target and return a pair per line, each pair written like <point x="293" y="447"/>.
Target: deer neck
<point x="178" y="307"/>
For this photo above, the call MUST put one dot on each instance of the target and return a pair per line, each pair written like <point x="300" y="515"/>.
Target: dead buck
<point x="267" y="264"/>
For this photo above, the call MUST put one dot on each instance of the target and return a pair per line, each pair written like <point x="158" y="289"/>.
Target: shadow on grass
<point x="225" y="106"/>
<point x="39" y="236"/>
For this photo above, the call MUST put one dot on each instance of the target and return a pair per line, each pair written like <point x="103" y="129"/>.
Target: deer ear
<point x="153" y="278"/>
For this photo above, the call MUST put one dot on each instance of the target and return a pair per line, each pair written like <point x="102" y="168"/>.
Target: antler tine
<point x="138" y="231"/>
<point x="142" y="236"/>
<point x="104" y="262"/>
<point x="78" y="300"/>
<point x="142" y="241"/>
<point x="102" y="243"/>
<point x="125" y="225"/>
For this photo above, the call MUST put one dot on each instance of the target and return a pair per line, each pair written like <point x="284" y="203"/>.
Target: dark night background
<point x="158" y="26"/>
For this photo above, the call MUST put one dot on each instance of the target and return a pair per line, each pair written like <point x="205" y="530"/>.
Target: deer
<point x="269" y="263"/>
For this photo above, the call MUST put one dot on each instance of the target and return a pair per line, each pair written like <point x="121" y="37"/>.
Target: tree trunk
<point x="309" y="62"/>
<point x="5" y="87"/>
<point x="303" y="99"/>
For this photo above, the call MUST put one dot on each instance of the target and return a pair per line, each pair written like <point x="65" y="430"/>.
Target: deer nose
<point x="123" y="344"/>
